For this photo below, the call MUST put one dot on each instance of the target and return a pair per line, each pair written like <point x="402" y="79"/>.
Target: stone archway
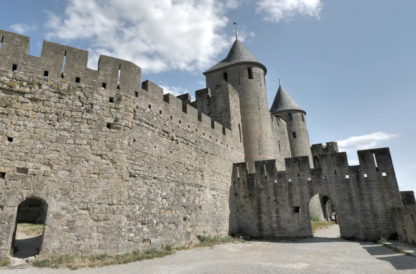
<point x="29" y="228"/>
<point x="323" y="213"/>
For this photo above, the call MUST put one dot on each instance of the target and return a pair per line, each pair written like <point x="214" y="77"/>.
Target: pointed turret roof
<point x="283" y="102"/>
<point x="237" y="54"/>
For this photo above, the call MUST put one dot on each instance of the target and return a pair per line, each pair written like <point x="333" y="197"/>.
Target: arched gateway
<point x="29" y="228"/>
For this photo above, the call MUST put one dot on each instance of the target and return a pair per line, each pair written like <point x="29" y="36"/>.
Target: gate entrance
<point x="29" y="228"/>
<point x="323" y="215"/>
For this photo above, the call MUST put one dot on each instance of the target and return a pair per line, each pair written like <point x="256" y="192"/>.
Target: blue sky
<point x="350" y="64"/>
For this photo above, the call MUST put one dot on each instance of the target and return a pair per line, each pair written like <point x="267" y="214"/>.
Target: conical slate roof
<point x="237" y="54"/>
<point x="283" y="102"/>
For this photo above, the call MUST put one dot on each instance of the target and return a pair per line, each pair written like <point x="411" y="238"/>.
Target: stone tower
<point x="285" y="107"/>
<point x="247" y="75"/>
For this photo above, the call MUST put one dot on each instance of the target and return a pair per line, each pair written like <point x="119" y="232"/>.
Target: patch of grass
<point x="214" y="240"/>
<point x="4" y="262"/>
<point x="30" y="229"/>
<point x="75" y="262"/>
<point x="319" y="224"/>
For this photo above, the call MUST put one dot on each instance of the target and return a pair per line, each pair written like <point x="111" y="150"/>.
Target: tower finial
<point x="279" y="82"/>
<point x="235" y="30"/>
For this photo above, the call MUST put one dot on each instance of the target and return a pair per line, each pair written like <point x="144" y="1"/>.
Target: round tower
<point x="285" y="107"/>
<point x="246" y="75"/>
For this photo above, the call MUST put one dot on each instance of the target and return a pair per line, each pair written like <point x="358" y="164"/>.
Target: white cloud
<point x="174" y="90"/>
<point x="352" y="144"/>
<point x="277" y="10"/>
<point x="157" y="35"/>
<point x="21" y="28"/>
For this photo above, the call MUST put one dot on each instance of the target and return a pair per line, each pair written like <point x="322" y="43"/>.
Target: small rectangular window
<point x="347" y="176"/>
<point x="111" y="99"/>
<point x="136" y="93"/>
<point x="77" y="80"/>
<point x="14" y="68"/>
<point x="290" y="116"/>
<point x="104" y="85"/>
<point x="250" y="73"/>
<point x="225" y="76"/>
<point x="10" y="139"/>
<point x="296" y="209"/>
<point x="365" y="175"/>
<point x="303" y="117"/>
<point x="150" y="106"/>
<point x="22" y="170"/>
<point x="384" y="174"/>
<point x="46" y="74"/>
<point x="2" y="175"/>
<point x="294" y="135"/>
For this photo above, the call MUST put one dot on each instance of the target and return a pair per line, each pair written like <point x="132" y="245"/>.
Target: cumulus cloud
<point x="174" y="90"/>
<point x="352" y="144"/>
<point x="21" y="28"/>
<point x="157" y="35"/>
<point x="277" y="10"/>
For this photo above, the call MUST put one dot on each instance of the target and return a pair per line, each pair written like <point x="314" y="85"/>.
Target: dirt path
<point x="321" y="254"/>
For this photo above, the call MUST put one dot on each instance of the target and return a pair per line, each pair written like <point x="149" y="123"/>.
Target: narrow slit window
<point x="1" y="41"/>
<point x="278" y="144"/>
<point x="63" y="65"/>
<point x="303" y="117"/>
<point x="150" y="106"/>
<point x="225" y="76"/>
<point x="118" y="76"/>
<point x="290" y="116"/>
<point x="223" y="131"/>
<point x="14" y="68"/>
<point x="212" y="124"/>
<point x="250" y="73"/>
<point x="375" y="160"/>
<point x="46" y="74"/>
<point x="294" y="135"/>
<point x="238" y="78"/>
<point x="239" y="132"/>
<point x="136" y="93"/>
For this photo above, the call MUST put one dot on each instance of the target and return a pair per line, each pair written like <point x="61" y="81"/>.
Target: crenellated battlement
<point x="67" y="65"/>
<point x="372" y="163"/>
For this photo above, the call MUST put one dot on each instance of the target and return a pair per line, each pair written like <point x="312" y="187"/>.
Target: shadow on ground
<point x="28" y="247"/>
<point x="397" y="260"/>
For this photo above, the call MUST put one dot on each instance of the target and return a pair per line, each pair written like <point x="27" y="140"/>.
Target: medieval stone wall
<point x="272" y="204"/>
<point x="120" y="167"/>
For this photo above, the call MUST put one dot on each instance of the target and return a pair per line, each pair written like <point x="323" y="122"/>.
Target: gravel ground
<point x="322" y="254"/>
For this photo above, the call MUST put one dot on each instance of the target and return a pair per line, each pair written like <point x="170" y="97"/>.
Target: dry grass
<point x="4" y="262"/>
<point x="75" y="262"/>
<point x="30" y="229"/>
<point x="318" y="223"/>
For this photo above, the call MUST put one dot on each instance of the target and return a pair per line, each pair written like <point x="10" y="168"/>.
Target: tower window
<point x="278" y="142"/>
<point x="225" y="76"/>
<point x="303" y="117"/>
<point x="294" y="134"/>
<point x="290" y="116"/>
<point x="296" y="209"/>
<point x="250" y="73"/>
